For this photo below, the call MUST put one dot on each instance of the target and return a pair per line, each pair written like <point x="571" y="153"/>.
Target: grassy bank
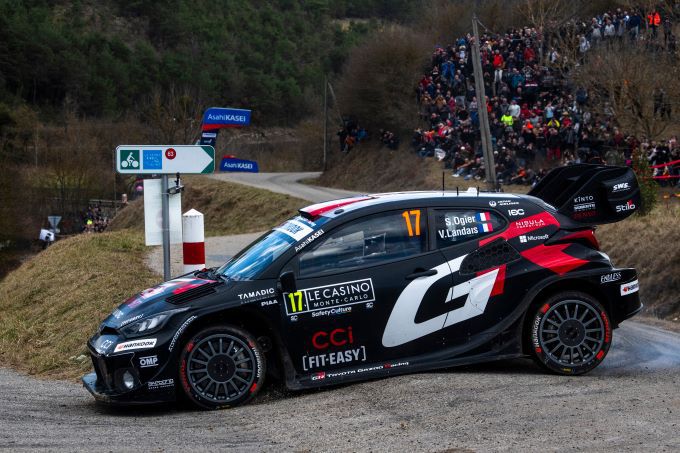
<point x="650" y="244"/>
<point x="228" y="208"/>
<point x="55" y="301"/>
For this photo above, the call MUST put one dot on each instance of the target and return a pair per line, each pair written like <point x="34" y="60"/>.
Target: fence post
<point x="193" y="239"/>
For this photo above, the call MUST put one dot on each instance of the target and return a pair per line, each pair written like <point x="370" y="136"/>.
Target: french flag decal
<point x="485" y="222"/>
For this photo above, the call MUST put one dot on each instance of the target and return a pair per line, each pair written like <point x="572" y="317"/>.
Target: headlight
<point x="149" y="325"/>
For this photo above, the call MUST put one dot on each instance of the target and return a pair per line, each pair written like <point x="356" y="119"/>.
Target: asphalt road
<point x="286" y="183"/>
<point x="630" y="403"/>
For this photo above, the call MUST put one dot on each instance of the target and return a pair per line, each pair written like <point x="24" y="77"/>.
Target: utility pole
<point x="484" y="129"/>
<point x="325" y="122"/>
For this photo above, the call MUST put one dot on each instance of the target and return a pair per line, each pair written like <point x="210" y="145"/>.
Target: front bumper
<point x="153" y="383"/>
<point x="111" y="397"/>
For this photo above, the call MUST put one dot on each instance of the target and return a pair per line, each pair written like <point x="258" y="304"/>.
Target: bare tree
<point x="174" y="116"/>
<point x="632" y="85"/>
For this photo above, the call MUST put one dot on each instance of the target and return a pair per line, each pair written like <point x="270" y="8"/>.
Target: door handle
<point x="421" y="273"/>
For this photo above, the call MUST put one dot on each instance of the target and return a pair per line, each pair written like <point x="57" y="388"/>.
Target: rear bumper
<point x="624" y="295"/>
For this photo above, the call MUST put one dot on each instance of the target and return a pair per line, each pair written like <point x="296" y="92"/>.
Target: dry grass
<point x="54" y="302"/>
<point x="228" y="208"/>
<point x="651" y="245"/>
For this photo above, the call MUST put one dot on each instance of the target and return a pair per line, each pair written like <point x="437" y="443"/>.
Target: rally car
<point x="380" y="285"/>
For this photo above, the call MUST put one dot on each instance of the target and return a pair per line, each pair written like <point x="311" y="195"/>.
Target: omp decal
<point x="401" y="326"/>
<point x="630" y="288"/>
<point x="150" y="361"/>
<point x="553" y="257"/>
<point x="136" y="344"/>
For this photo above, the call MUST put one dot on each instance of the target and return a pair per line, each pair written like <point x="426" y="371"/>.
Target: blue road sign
<point x="218" y="117"/>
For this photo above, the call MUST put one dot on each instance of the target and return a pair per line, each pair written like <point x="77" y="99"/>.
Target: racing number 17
<point x="407" y="216"/>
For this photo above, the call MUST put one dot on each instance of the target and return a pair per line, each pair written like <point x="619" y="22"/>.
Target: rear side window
<point x="368" y="241"/>
<point x="454" y="226"/>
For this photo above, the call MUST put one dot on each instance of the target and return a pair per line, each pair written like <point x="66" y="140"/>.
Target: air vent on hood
<point x="193" y="293"/>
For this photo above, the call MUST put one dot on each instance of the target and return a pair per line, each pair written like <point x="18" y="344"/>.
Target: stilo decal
<point x="401" y="326"/>
<point x="329" y="299"/>
<point x="136" y="344"/>
<point x="630" y="288"/>
<point x="629" y="206"/>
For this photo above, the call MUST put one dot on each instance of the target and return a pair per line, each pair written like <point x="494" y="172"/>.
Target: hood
<point x="159" y="298"/>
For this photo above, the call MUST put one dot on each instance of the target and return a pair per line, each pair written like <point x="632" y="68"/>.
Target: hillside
<point x="228" y="208"/>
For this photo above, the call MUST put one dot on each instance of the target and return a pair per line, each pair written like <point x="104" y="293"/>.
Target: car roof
<point x="335" y="208"/>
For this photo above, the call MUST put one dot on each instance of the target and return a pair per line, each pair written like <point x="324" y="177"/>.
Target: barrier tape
<point x="666" y="164"/>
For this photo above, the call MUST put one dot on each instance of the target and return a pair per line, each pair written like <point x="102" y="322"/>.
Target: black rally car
<point x="380" y="285"/>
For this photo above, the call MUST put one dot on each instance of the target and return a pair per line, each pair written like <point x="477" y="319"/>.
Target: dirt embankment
<point x="228" y="208"/>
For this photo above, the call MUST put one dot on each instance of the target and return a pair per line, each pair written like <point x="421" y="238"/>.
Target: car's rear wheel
<point x="221" y="367"/>
<point x="570" y="333"/>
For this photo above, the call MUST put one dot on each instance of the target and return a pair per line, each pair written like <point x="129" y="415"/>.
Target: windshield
<point x="255" y="258"/>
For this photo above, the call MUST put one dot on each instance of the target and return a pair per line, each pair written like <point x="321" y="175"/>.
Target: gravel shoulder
<point x="629" y="403"/>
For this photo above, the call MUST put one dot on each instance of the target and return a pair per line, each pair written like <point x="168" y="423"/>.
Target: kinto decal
<point x="402" y="328"/>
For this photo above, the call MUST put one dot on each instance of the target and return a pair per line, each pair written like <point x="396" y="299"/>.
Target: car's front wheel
<point x="221" y="367"/>
<point x="570" y="333"/>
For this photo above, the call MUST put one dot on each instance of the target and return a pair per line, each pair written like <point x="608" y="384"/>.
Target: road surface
<point x="630" y="403"/>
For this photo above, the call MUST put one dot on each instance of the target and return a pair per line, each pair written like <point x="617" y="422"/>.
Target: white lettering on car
<point x="401" y="326"/>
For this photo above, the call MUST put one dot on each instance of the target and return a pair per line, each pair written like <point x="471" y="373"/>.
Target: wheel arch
<point x="558" y="286"/>
<point x="250" y="320"/>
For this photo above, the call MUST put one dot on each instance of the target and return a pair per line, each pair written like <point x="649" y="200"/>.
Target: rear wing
<point x="590" y="194"/>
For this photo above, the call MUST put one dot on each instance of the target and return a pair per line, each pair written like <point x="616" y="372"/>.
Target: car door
<point x="348" y="284"/>
<point x="478" y="274"/>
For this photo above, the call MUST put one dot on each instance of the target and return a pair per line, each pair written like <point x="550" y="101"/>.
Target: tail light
<point x="585" y="236"/>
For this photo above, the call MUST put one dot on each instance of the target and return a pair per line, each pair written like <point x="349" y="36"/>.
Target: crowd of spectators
<point x="350" y="134"/>
<point x="538" y="119"/>
<point x="94" y="220"/>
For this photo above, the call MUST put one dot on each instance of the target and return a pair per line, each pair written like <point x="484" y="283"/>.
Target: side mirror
<point x="287" y="283"/>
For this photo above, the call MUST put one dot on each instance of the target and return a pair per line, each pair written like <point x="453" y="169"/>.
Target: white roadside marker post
<point x="193" y="238"/>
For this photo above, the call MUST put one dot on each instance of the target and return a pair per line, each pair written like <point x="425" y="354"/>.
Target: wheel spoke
<point x="549" y="331"/>
<point x="552" y="322"/>
<point x="557" y="313"/>
<point x="593" y="330"/>
<point x="211" y="382"/>
<point x="575" y="311"/>
<point x="551" y="340"/>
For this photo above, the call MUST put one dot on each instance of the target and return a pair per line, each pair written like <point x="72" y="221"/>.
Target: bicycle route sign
<point x="163" y="159"/>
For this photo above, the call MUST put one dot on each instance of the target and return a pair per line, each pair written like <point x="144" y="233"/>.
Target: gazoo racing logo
<point x="629" y="206"/>
<point x="402" y="326"/>
<point x="329" y="299"/>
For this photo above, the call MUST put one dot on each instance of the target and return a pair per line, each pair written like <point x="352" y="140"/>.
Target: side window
<point x="368" y="241"/>
<point x="453" y="226"/>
